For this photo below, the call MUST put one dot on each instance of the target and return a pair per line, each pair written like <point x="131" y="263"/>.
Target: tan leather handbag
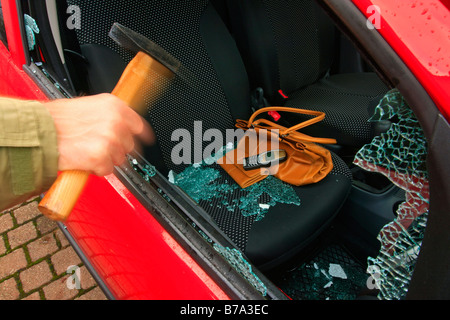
<point x="302" y="160"/>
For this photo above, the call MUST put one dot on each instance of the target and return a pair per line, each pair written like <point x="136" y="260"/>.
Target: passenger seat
<point x="192" y="31"/>
<point x="288" y="48"/>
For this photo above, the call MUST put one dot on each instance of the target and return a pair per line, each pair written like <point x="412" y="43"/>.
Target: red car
<point x="167" y="226"/>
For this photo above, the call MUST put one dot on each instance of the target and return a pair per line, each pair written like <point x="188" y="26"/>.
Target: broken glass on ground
<point x="400" y="155"/>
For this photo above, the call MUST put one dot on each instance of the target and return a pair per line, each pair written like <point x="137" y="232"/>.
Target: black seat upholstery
<point x="192" y="31"/>
<point x="291" y="46"/>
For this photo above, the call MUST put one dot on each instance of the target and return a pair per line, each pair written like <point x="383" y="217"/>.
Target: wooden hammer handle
<point x="137" y="87"/>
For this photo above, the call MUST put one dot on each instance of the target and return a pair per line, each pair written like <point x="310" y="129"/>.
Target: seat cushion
<point x="268" y="237"/>
<point x="347" y="100"/>
<point x="287" y="229"/>
<point x="292" y="45"/>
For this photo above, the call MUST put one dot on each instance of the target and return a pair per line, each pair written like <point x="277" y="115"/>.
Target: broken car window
<point x="400" y="155"/>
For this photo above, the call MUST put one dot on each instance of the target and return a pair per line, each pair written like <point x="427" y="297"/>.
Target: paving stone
<point x="2" y="246"/>
<point x="63" y="259"/>
<point x="11" y="208"/>
<point x="6" y="222"/>
<point x="42" y="247"/>
<point x="94" y="294"/>
<point x="22" y="234"/>
<point x="12" y="262"/>
<point x="45" y="225"/>
<point x="43" y="239"/>
<point x="27" y="212"/>
<point x="35" y="276"/>
<point x="59" y="290"/>
<point x="86" y="279"/>
<point x="8" y="290"/>
<point x="62" y="238"/>
<point x="33" y="296"/>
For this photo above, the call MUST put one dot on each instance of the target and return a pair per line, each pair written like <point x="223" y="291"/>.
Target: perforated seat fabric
<point x="348" y="101"/>
<point x="291" y="45"/>
<point x="192" y="31"/>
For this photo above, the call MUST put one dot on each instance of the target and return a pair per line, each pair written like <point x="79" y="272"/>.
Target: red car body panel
<point x="11" y="18"/>
<point x="419" y="32"/>
<point x="18" y="84"/>
<point x="132" y="253"/>
<point x="14" y="81"/>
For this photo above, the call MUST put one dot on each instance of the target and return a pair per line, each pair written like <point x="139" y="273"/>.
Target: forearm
<point x="92" y="134"/>
<point x="28" y="151"/>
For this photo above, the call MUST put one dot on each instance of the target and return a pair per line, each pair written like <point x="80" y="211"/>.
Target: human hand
<point x="96" y="132"/>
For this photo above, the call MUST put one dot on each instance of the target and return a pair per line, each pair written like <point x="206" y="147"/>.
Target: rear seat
<point x="192" y="31"/>
<point x="290" y="46"/>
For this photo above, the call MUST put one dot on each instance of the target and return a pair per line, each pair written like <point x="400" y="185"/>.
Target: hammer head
<point x="136" y="42"/>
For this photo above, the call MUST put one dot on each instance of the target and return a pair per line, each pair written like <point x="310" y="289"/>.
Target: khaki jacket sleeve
<point x="28" y="151"/>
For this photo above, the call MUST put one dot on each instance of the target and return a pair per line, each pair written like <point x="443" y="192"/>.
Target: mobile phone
<point x="265" y="159"/>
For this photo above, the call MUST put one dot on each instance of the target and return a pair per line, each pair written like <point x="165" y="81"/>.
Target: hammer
<point x="143" y="81"/>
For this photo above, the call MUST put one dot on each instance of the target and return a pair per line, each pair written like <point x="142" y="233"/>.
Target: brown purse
<point x="305" y="162"/>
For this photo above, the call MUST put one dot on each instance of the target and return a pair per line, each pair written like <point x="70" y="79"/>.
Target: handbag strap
<point x="287" y="133"/>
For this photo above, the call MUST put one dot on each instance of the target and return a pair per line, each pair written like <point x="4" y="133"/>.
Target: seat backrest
<point x="191" y="31"/>
<point x="285" y="44"/>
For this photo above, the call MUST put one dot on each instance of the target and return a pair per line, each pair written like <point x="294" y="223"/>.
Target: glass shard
<point x="31" y="29"/>
<point x="203" y="176"/>
<point x="331" y="275"/>
<point x="400" y="155"/>
<point x="239" y="263"/>
<point x="207" y="181"/>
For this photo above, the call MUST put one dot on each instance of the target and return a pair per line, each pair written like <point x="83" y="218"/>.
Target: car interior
<point x="247" y="55"/>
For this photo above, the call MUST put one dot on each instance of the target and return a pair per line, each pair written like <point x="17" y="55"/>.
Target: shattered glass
<point x="239" y="263"/>
<point x="233" y="256"/>
<point x="148" y="171"/>
<point x="31" y="29"/>
<point x="203" y="182"/>
<point x="400" y="155"/>
<point x="331" y="275"/>
<point x="206" y="182"/>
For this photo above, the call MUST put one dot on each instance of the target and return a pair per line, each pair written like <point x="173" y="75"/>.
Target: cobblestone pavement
<point x="35" y="257"/>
